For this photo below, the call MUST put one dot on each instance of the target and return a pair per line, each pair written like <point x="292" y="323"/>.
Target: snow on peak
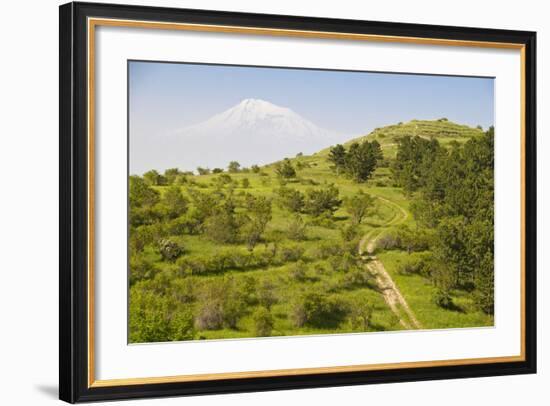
<point x="254" y="131"/>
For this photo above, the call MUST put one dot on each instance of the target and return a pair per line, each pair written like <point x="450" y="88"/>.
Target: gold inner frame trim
<point x="94" y="22"/>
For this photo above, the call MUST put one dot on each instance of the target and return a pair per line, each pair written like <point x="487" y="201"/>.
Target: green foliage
<point x="317" y="310"/>
<point x="170" y="250"/>
<point x="153" y="178"/>
<point x="256" y="219"/>
<point x="291" y="199"/>
<point x="245" y="183"/>
<point x="263" y="322"/>
<point x="203" y="171"/>
<point x="361" y="314"/>
<point x="285" y="170"/>
<point x="233" y="167"/>
<point x="297" y="229"/>
<point x="155" y="318"/>
<point x="321" y="201"/>
<point x="337" y="156"/>
<point x="359" y="206"/>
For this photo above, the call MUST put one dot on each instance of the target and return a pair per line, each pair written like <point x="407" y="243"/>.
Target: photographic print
<point x="268" y="202"/>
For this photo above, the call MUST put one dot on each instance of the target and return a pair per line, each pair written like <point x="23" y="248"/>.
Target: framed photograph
<point x="257" y="202"/>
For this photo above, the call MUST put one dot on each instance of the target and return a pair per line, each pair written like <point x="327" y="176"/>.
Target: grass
<point x="418" y="292"/>
<point x="392" y="209"/>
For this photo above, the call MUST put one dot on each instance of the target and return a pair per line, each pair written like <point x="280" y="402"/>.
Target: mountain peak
<point x="254" y="131"/>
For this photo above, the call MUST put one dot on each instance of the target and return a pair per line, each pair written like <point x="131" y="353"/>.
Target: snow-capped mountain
<point x="251" y="132"/>
<point x="254" y="118"/>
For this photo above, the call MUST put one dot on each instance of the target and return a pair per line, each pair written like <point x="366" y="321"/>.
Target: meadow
<point x="318" y="244"/>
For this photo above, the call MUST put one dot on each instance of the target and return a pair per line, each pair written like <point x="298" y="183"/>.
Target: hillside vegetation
<point x="308" y="244"/>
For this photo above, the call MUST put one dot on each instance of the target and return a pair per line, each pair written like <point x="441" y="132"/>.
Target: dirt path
<point x="392" y="296"/>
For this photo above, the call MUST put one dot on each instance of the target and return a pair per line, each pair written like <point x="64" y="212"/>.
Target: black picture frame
<point x="73" y="255"/>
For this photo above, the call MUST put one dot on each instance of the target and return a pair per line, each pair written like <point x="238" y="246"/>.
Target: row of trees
<point x="452" y="193"/>
<point x="358" y="162"/>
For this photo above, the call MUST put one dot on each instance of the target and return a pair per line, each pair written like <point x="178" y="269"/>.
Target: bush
<point x="210" y="316"/>
<point x="358" y="277"/>
<point x="263" y="322"/>
<point x="298" y="271"/>
<point x="443" y="299"/>
<point x="155" y="318"/>
<point x="317" y="310"/>
<point x="170" y="249"/>
<point x="140" y="268"/>
<point x="289" y="253"/>
<point x="296" y="229"/>
<point x="266" y="294"/>
<point x="418" y="264"/>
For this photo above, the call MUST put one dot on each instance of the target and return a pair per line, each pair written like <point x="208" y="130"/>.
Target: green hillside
<point x="445" y="131"/>
<point x="253" y="252"/>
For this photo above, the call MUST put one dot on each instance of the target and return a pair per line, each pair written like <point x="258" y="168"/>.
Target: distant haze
<point x="185" y="115"/>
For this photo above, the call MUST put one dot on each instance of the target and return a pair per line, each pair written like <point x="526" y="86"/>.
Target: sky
<point x="167" y="97"/>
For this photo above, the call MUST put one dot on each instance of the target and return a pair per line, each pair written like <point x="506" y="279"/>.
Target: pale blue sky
<point x="165" y="97"/>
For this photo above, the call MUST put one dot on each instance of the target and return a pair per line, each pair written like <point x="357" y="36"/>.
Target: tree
<point x="203" y="171"/>
<point x="155" y="318"/>
<point x="291" y="199"/>
<point x="170" y="175"/>
<point x="141" y="194"/>
<point x="258" y="215"/>
<point x="337" y="155"/>
<point x="361" y="314"/>
<point x="360" y="161"/>
<point x="359" y="206"/>
<point x="233" y="167"/>
<point x="285" y="170"/>
<point x="255" y="168"/>
<point x="322" y="201"/>
<point x="245" y="183"/>
<point x="175" y="204"/>
<point x="263" y="322"/>
<point x="153" y="178"/>
<point x="170" y="250"/>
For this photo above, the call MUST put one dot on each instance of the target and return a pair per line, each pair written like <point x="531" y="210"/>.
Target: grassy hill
<point x="311" y="264"/>
<point x="445" y="131"/>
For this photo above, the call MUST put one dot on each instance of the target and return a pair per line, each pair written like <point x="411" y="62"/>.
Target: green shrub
<point x="296" y="229"/>
<point x="170" y="250"/>
<point x="263" y="322"/>
<point x="317" y="310"/>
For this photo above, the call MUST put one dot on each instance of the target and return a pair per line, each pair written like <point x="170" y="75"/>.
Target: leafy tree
<point x="154" y="318"/>
<point x="258" y="215"/>
<point x="297" y="228"/>
<point x="337" y="155"/>
<point x="141" y="194"/>
<point x="175" y="204"/>
<point x="361" y="161"/>
<point x="203" y="171"/>
<point x="233" y="167"/>
<point x="255" y="168"/>
<point x="217" y="170"/>
<point x="324" y="200"/>
<point x="153" y="178"/>
<point x="291" y="199"/>
<point x="359" y="206"/>
<point x="170" y="249"/>
<point x="245" y="183"/>
<point x="171" y="175"/>
<point x="263" y="322"/>
<point x="266" y="294"/>
<point x="285" y="170"/>
<point x="361" y="314"/>
<point x="317" y="310"/>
